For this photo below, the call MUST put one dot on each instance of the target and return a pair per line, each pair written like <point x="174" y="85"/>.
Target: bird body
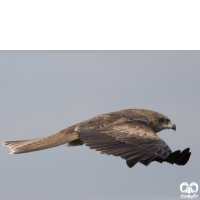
<point x="130" y="134"/>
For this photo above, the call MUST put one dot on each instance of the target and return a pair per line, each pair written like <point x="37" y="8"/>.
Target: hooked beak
<point x="174" y="127"/>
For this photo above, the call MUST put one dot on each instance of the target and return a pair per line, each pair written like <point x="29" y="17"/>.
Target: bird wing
<point x="128" y="136"/>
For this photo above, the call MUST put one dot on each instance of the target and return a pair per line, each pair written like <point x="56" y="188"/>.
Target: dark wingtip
<point x="172" y="157"/>
<point x="130" y="163"/>
<point x="178" y="157"/>
<point x="186" y="150"/>
<point x="183" y="158"/>
<point x="186" y="159"/>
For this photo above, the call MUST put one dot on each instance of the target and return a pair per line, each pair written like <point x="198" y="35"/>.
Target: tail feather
<point x="14" y="144"/>
<point x="25" y="146"/>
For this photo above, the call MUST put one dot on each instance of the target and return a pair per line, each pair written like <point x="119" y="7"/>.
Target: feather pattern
<point x="25" y="146"/>
<point x="128" y="136"/>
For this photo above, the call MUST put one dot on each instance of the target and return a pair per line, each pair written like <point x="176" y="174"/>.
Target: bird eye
<point x="167" y="121"/>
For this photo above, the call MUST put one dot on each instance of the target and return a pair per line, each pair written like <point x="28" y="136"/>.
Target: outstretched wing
<point x="127" y="136"/>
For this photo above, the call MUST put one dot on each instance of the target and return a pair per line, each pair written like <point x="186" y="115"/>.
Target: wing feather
<point x="129" y="137"/>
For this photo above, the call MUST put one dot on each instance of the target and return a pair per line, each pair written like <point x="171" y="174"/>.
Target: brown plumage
<point x="130" y="134"/>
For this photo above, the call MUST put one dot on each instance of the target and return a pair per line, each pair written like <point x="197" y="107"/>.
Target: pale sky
<point x="43" y="92"/>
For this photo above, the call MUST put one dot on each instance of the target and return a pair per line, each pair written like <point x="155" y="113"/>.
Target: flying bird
<point x="130" y="134"/>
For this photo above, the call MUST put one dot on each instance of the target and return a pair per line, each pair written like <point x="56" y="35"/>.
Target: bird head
<point x="161" y="122"/>
<point x="168" y="124"/>
<point x="165" y="123"/>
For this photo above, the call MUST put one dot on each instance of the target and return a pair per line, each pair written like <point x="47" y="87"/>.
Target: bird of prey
<point x="130" y="134"/>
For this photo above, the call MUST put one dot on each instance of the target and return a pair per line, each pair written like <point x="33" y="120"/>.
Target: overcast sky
<point x="43" y="92"/>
